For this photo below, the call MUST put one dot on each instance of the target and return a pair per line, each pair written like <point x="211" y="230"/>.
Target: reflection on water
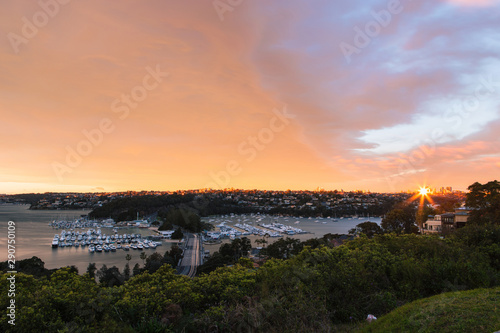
<point x="315" y="227"/>
<point x="34" y="238"/>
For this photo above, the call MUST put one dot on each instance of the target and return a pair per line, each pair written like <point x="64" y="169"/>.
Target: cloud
<point x="474" y="3"/>
<point x="355" y="123"/>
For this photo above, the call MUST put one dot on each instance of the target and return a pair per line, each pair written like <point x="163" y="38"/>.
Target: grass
<point x="475" y="310"/>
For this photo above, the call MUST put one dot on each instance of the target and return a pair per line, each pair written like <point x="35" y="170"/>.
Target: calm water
<point x="34" y="238"/>
<point x="316" y="227"/>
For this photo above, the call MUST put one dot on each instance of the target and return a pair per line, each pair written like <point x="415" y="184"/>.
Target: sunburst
<point x="422" y="194"/>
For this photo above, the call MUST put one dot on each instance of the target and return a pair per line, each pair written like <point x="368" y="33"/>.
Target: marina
<point x="98" y="241"/>
<point x="271" y="227"/>
<point x="35" y="238"/>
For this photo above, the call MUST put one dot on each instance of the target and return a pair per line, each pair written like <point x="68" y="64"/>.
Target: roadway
<point x="191" y="256"/>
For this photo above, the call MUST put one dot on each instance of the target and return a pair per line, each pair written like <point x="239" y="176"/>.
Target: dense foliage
<point x="185" y="219"/>
<point x="368" y="228"/>
<point x="485" y="201"/>
<point x="126" y="209"/>
<point x="228" y="254"/>
<point x="400" y="220"/>
<point x="311" y="291"/>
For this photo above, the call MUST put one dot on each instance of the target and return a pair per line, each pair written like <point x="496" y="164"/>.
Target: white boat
<point x="55" y="243"/>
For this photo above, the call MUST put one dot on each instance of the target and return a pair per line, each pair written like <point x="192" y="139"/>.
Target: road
<point x="191" y="258"/>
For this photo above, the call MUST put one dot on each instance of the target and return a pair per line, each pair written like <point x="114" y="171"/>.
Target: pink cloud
<point x="225" y="79"/>
<point x="474" y="3"/>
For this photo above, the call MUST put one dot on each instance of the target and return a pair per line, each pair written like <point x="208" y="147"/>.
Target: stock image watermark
<point x="463" y="109"/>
<point x="122" y="107"/>
<point x="372" y="29"/>
<point x="223" y="6"/>
<point x="31" y="26"/>
<point x="11" y="273"/>
<point x="250" y="147"/>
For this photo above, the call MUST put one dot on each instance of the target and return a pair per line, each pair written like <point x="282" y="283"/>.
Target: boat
<point x="55" y="243"/>
<point x="91" y="249"/>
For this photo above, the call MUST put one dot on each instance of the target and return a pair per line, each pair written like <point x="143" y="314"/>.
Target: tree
<point x="241" y="246"/>
<point x="177" y="234"/>
<point x="368" y="228"/>
<point x="173" y="256"/>
<point x="260" y="241"/>
<point x="126" y="271"/>
<point x="91" y="269"/>
<point x="136" y="270"/>
<point x="110" y="277"/>
<point x="215" y="261"/>
<point x="399" y="220"/>
<point x="184" y="218"/>
<point x="484" y="199"/>
<point x="143" y="256"/>
<point x="283" y="248"/>
<point x="153" y="262"/>
<point x="238" y="248"/>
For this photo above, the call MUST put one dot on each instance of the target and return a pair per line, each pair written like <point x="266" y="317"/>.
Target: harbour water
<point x="312" y="227"/>
<point x="34" y="238"/>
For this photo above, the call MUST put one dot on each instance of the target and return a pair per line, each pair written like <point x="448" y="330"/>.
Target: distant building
<point x="166" y="233"/>
<point x="461" y="216"/>
<point x="432" y="225"/>
<point x="447" y="222"/>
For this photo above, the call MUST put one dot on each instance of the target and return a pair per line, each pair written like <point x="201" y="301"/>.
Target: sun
<point x="423" y="191"/>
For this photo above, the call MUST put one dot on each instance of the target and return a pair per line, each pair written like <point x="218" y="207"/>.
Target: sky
<point x="166" y="95"/>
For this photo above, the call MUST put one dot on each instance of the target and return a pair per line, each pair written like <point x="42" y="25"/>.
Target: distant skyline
<point x="172" y="95"/>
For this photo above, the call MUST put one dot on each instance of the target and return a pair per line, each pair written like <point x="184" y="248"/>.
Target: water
<point x="34" y="238"/>
<point x="316" y="227"/>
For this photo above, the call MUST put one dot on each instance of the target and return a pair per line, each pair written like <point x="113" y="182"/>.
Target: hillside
<point x="466" y="311"/>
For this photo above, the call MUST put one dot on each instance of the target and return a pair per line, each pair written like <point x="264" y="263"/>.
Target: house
<point x="447" y="222"/>
<point x="432" y="225"/>
<point x="461" y="216"/>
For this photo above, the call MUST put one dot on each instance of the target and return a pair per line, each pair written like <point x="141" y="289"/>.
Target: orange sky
<point x="165" y="95"/>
